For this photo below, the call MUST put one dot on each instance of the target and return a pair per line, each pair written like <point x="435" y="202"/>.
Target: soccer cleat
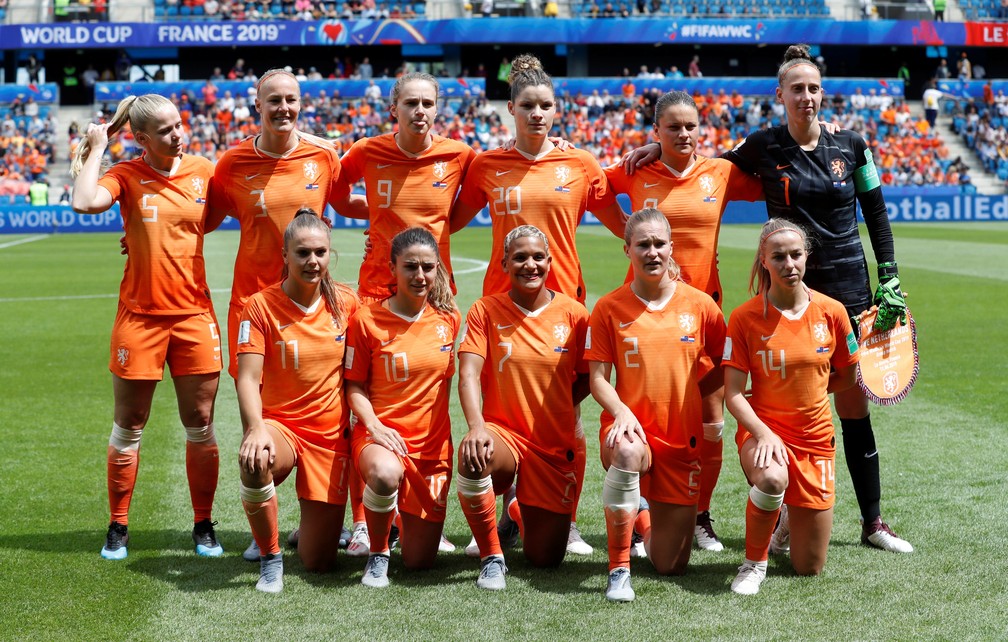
<point x="252" y="553"/>
<point x="706" y="538"/>
<point x="637" y="545"/>
<point x="491" y="576"/>
<point x="376" y="571"/>
<point x="360" y="542"/>
<point x="575" y="544"/>
<point x="344" y="538"/>
<point x="472" y="549"/>
<point x="205" y="538"/>
<point x="780" y="541"/>
<point x="877" y="534"/>
<point x="750" y="576"/>
<point x="445" y="545"/>
<point x="507" y="529"/>
<point x="115" y="542"/>
<point x="270" y="573"/>
<point x="393" y="537"/>
<point x="619" y="589"/>
<point x="293" y="537"/>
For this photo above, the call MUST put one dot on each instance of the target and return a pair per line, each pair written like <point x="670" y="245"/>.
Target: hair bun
<point x="797" y="52"/>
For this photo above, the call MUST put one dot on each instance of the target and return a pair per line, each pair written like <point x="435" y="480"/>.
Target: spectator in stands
<point x="33" y="67"/>
<point x="942" y="71"/>
<point x="964" y="67"/>
<point x="694" y="68"/>
<point x="365" y="70"/>
<point x="939" y="10"/>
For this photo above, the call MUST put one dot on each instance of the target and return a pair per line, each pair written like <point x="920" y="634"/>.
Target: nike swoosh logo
<point x="871" y="454"/>
<point x="149" y="180"/>
<point x="249" y="177"/>
<point x="650" y="185"/>
<point x="380" y="166"/>
<point x="385" y="343"/>
<point x="281" y="328"/>
<point x="504" y="327"/>
<point x="626" y="325"/>
<point x="500" y="173"/>
<point x="784" y="166"/>
<point x="766" y="337"/>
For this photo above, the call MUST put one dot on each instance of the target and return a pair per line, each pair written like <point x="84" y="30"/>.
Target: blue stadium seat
<point x="185" y="11"/>
<point x="173" y="11"/>
<point x="420" y="8"/>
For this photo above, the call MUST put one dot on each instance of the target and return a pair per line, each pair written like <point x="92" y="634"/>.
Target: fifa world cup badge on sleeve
<point x="889" y="361"/>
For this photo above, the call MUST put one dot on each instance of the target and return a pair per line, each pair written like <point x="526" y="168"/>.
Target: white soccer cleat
<point x="750" y="576"/>
<point x="472" y="549"/>
<point x="445" y="545"/>
<point x="360" y="542"/>
<point x="491" y="576"/>
<point x="704" y="533"/>
<point x="270" y="574"/>
<point x="618" y="588"/>
<point x="252" y="553"/>
<point x="780" y="541"/>
<point x="575" y="544"/>
<point x="877" y="534"/>
<point x="376" y="571"/>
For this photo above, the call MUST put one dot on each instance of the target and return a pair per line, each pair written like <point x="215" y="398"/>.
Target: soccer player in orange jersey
<point x="411" y="178"/>
<point x="796" y="346"/>
<point x="692" y="192"/>
<point x="165" y="313"/>
<point x="263" y="181"/>
<point x="399" y="363"/>
<point x="663" y="338"/>
<point x="521" y="376"/>
<point x="291" y="342"/>
<point x="537" y="183"/>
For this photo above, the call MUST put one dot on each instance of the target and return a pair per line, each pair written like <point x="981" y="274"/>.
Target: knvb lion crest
<point x="311" y="170"/>
<point x="561" y="332"/>
<point x="562" y="174"/>
<point x="687" y="322"/>
<point x="838" y="167"/>
<point x="821" y="332"/>
<point x="442" y="333"/>
<point x="122" y="356"/>
<point x="707" y="183"/>
<point x="890" y="382"/>
<point x="197" y="185"/>
<point x="440" y="169"/>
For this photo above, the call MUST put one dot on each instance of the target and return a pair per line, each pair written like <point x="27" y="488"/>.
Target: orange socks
<point x="621" y="498"/>
<point x="762" y="510"/>
<point x="514" y="512"/>
<point x="202" y="464"/>
<point x="711" y="455"/>
<point x="580" y="463"/>
<point x="480" y="509"/>
<point x="379" y="513"/>
<point x="123" y="461"/>
<point x="260" y="506"/>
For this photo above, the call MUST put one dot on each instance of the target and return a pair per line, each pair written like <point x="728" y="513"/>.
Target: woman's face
<point x="279" y="103"/>
<point x="533" y="111"/>
<point x="677" y="130"/>
<point x="415" y="269"/>
<point x="649" y="250"/>
<point x="801" y="93"/>
<point x="162" y="138"/>
<point x="527" y="263"/>
<point x="307" y="256"/>
<point x="784" y="256"/>
<point x="416" y="107"/>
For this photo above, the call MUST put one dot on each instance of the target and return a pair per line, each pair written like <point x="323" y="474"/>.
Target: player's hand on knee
<point x="476" y="449"/>
<point x="388" y="438"/>
<point x="257" y="451"/>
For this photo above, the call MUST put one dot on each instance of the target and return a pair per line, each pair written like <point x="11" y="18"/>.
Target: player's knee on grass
<point x="545" y="538"/>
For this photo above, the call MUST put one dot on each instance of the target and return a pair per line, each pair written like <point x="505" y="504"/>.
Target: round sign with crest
<point x="889" y="362"/>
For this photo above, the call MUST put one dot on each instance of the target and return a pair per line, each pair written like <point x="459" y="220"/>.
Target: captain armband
<point x="866" y="178"/>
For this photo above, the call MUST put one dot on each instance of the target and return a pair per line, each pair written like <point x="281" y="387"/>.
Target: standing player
<point x="165" y="313"/>
<point x="399" y="363"/>
<point x="537" y="183"/>
<point x="692" y="192"/>
<point x="411" y="178"/>
<point x="796" y="345"/>
<point x="664" y="338"/>
<point x="521" y="376"/>
<point x="291" y="341"/>
<point x="816" y="179"/>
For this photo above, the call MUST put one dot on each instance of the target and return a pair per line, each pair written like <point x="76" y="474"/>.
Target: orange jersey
<point x="407" y="366"/>
<point x="302" y="378"/>
<point x="659" y="357"/>
<point x="531" y="363"/>
<point x="789" y="363"/>
<point x="693" y="205"/>
<point x="403" y="191"/>
<point x="264" y="194"/>
<point x="163" y="218"/>
<point x="552" y="193"/>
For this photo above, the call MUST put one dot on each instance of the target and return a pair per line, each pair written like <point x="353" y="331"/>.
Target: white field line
<point x="27" y="239"/>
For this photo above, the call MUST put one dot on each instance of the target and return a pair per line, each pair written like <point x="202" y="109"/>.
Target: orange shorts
<point x="322" y="473"/>
<point x="142" y="344"/>
<point x="811" y="478"/>
<point x="424" y="489"/>
<point x="545" y="480"/>
<point x="669" y="478"/>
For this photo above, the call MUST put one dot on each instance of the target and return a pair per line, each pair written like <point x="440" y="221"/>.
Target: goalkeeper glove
<point x="889" y="298"/>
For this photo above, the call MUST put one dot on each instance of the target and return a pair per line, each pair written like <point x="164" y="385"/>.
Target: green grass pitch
<point x="943" y="460"/>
